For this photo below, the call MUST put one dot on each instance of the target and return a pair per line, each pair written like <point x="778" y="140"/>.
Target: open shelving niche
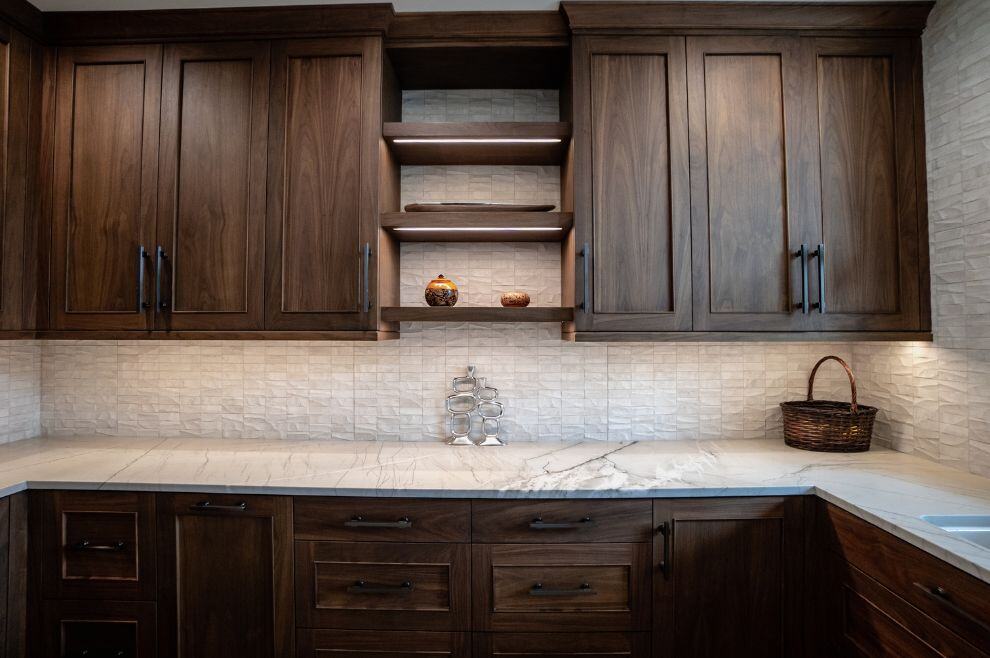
<point x="412" y="66"/>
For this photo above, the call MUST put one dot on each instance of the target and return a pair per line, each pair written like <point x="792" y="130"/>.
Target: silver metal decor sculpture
<point x="473" y="398"/>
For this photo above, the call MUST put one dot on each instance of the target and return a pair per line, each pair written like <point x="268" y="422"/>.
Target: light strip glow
<point x="477" y="140"/>
<point x="477" y="228"/>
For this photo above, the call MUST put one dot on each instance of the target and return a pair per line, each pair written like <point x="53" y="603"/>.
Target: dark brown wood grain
<point x="754" y="187"/>
<point x="464" y="63"/>
<point x="21" y="575"/>
<point x="561" y="645"/>
<point x="438" y="596"/>
<point x="504" y="574"/>
<point x="99" y="628"/>
<point x="607" y="521"/>
<point x="4" y="570"/>
<point x="433" y="226"/>
<point x="730" y="579"/>
<point x="476" y="314"/>
<point x="228" y="576"/>
<point x="102" y="519"/>
<point x="631" y="184"/>
<point x="484" y="153"/>
<point x="322" y="178"/>
<point x="312" y="643"/>
<point x="24" y="16"/>
<point x="749" y="336"/>
<point x="106" y="146"/>
<point x="211" y="335"/>
<point x="211" y="213"/>
<point x="428" y="520"/>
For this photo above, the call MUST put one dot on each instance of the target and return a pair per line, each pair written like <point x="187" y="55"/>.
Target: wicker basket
<point x="827" y="426"/>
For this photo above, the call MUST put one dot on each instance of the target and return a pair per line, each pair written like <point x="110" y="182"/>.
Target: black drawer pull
<point x="941" y="596"/>
<point x="539" y="590"/>
<point x="86" y="545"/>
<point x="360" y="522"/>
<point x="206" y="505"/>
<point x="361" y="587"/>
<point x="539" y="524"/>
<point x="98" y="653"/>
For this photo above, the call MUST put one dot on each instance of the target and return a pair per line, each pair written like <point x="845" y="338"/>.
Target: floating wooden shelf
<point x="435" y="152"/>
<point x="477" y="226"/>
<point x="476" y="314"/>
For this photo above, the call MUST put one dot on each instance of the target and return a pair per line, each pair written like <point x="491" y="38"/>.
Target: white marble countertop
<point x="889" y="489"/>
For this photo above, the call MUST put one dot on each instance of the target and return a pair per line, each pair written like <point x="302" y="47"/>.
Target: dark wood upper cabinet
<point x="322" y="183"/>
<point x="211" y="208"/>
<point x="226" y="565"/>
<point x="631" y="211"/>
<point x="754" y="181"/>
<point x="869" y="183"/>
<point x="106" y="175"/>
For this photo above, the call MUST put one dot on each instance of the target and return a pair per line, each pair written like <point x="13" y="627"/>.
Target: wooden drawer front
<point x="581" y="587"/>
<point x="561" y="521"/>
<point x="562" y="645"/>
<point x="367" y="585"/>
<point x="949" y="596"/>
<point x="363" y="519"/>
<point x="313" y="643"/>
<point x="74" y="629"/>
<point x="99" y="545"/>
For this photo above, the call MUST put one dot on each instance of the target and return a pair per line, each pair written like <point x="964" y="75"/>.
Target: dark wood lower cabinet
<point x="4" y="566"/>
<point x="104" y="629"/>
<point x="562" y="645"/>
<point x="312" y="643"/>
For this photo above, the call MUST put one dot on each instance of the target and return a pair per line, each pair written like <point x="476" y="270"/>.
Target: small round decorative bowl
<point x="515" y="299"/>
<point x="441" y="292"/>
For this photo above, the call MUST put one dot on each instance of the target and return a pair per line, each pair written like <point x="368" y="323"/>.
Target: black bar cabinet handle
<point x="584" y="590"/>
<point x="664" y="564"/>
<point x="160" y="257"/>
<point x="142" y="257"/>
<point x="86" y="545"/>
<point x="941" y="596"/>
<point x="98" y="653"/>
<point x="366" y="276"/>
<point x="586" y="279"/>
<point x="803" y="255"/>
<point x="820" y="255"/>
<point x="208" y="506"/>
<point x="539" y="524"/>
<point x="361" y="587"/>
<point x="360" y="522"/>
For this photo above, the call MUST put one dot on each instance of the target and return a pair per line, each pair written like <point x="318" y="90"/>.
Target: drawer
<point x="561" y="521"/>
<point x="579" y="587"/>
<point x="99" y="545"/>
<point x="562" y="645"/>
<point x="383" y="585"/>
<point x="951" y="597"/>
<point x="391" y="519"/>
<point x="315" y="643"/>
<point x="73" y="629"/>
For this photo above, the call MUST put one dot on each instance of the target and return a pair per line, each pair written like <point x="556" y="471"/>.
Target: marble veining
<point x="889" y="489"/>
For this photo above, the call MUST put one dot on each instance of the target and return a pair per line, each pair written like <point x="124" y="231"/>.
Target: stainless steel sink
<point x="972" y="528"/>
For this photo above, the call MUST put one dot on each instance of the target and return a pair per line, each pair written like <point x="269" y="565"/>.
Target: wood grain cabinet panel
<point x="561" y="645"/>
<point x="211" y="213"/>
<point x="4" y="571"/>
<point x="106" y="172"/>
<point x="754" y="186"/>
<point x="322" y="194"/>
<point x="226" y="562"/>
<point x="631" y="185"/>
<point x="561" y="521"/>
<point x="314" y="643"/>
<point x="73" y="629"/>
<point x="393" y="519"/>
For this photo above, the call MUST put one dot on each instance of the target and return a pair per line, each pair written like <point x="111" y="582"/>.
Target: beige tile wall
<point x="20" y="390"/>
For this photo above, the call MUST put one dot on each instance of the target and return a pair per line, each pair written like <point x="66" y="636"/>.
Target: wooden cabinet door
<point x="873" y="267"/>
<point x="225" y="574"/>
<point x="754" y="185"/>
<point x="74" y="629"/>
<point x="727" y="578"/>
<point x="211" y="211"/>
<point x="106" y="172"/>
<point x="322" y="183"/>
<point x="631" y="211"/>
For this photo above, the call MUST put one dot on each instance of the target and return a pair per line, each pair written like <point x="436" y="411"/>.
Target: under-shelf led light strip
<point x="476" y="140"/>
<point x="484" y="229"/>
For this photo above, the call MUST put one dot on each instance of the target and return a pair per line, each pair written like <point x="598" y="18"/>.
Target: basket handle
<point x="852" y="380"/>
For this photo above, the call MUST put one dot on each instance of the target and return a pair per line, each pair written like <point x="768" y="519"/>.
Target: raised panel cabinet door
<point x="631" y="211"/>
<point x="874" y="269"/>
<point x="209" y="259"/>
<point x="322" y="183"/>
<point x="106" y="174"/>
<point x="727" y="578"/>
<point x="754" y="185"/>
<point x="225" y="574"/>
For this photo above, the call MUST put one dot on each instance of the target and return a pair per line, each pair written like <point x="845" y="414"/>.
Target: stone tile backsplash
<point x="438" y="105"/>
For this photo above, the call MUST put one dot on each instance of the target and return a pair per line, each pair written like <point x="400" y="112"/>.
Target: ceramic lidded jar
<point x="441" y="292"/>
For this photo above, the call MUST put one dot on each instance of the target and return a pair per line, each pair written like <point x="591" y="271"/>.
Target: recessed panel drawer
<point x="86" y="628"/>
<point x="561" y="521"/>
<point x="386" y="519"/>
<point x="562" y="645"/>
<point x="579" y="587"/>
<point x="314" y="643"/>
<point x="381" y="585"/>
<point x="99" y="545"/>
